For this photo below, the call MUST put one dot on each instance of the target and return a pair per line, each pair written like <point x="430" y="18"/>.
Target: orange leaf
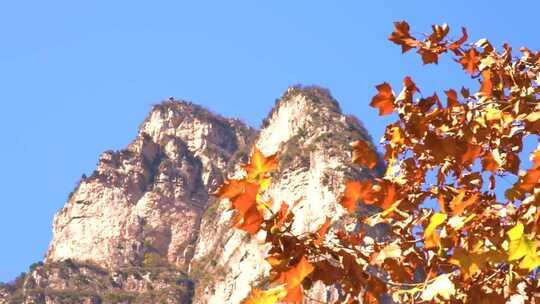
<point x="294" y="295"/>
<point x="389" y="196"/>
<point x="294" y="276"/>
<point x="410" y="85"/>
<point x="246" y="199"/>
<point x="251" y="220"/>
<point x="408" y="91"/>
<point x="489" y="163"/>
<point x="363" y="154"/>
<point x="428" y="56"/>
<point x="487" y="86"/>
<point x="455" y="46"/>
<point x="530" y="180"/>
<point x="282" y="214"/>
<point x="230" y="189"/>
<point x="470" y="61"/>
<point x="402" y="37"/>
<point x="370" y="298"/>
<point x="384" y="100"/>
<point x="459" y="203"/>
<point x="322" y="231"/>
<point x="353" y="192"/>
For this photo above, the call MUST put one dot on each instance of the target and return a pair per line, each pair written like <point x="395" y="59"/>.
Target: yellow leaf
<point x="431" y="236"/>
<point x="264" y="184"/>
<point x="269" y="296"/>
<point x="398" y="138"/>
<point x="493" y="114"/>
<point x="522" y="247"/>
<point x="469" y="263"/>
<point x="260" y="165"/>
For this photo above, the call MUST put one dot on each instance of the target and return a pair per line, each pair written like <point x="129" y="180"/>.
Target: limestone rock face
<point x="147" y="200"/>
<point x="312" y="137"/>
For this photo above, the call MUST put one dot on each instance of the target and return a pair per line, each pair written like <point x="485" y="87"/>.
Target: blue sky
<point x="78" y="77"/>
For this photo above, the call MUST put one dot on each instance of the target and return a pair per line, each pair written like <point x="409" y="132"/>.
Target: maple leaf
<point x="470" y="263"/>
<point x="243" y="198"/>
<point x="247" y="198"/>
<point x="459" y="203"/>
<point x="294" y="276"/>
<point x="389" y="196"/>
<point x="486" y="87"/>
<point x="470" y="61"/>
<point x="251" y="220"/>
<point x="457" y="44"/>
<point x="402" y="37"/>
<point x="408" y="91"/>
<point x="269" y="296"/>
<point x="428" y="56"/>
<point x="439" y="32"/>
<point x="452" y="100"/>
<point x="531" y="179"/>
<point x="397" y="136"/>
<point x="431" y="236"/>
<point x="363" y="154"/>
<point x="293" y="279"/>
<point x="522" y="247"/>
<point x="441" y="286"/>
<point x="260" y="165"/>
<point x="384" y="100"/>
<point x="231" y="189"/>
<point x="353" y="192"/>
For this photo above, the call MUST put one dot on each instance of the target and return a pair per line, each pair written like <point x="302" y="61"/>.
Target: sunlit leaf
<point x="384" y="100"/>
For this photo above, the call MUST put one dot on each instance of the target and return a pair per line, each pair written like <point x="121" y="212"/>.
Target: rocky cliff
<point x="312" y="136"/>
<point x="147" y="200"/>
<point x="132" y="231"/>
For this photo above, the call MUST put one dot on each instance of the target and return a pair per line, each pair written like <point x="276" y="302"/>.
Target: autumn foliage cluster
<point x="462" y="209"/>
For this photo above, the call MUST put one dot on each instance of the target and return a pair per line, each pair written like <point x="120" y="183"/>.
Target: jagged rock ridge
<point x="148" y="198"/>
<point x="140" y="212"/>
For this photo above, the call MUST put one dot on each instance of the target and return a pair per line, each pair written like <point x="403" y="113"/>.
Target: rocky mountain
<point x="144" y="227"/>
